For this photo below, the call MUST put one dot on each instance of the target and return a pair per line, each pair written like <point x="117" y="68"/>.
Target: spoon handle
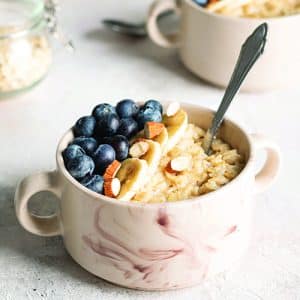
<point x="132" y="29"/>
<point x="251" y="50"/>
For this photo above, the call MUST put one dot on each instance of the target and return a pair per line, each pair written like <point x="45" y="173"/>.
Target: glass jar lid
<point x="19" y="15"/>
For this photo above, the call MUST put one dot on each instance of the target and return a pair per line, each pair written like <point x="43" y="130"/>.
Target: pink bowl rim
<point x="191" y="201"/>
<point x="242" y="19"/>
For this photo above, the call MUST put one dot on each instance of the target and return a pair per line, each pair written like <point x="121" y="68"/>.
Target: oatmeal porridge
<point x="204" y="173"/>
<point x="252" y="8"/>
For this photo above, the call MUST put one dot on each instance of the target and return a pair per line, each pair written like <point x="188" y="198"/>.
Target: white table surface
<point x="107" y="67"/>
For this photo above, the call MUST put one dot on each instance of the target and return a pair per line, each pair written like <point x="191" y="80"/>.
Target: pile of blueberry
<point x="104" y="137"/>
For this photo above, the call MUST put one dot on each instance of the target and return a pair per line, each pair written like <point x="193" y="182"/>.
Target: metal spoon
<point x="138" y="30"/>
<point x="251" y="50"/>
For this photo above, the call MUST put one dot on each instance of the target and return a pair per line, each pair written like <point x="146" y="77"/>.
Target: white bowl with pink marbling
<point x="154" y="246"/>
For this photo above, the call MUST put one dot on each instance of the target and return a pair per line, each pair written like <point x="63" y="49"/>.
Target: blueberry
<point x="85" y="126"/>
<point x="88" y="144"/>
<point x="81" y="166"/>
<point x="102" y="110"/>
<point x="121" y="146"/>
<point x="153" y="104"/>
<point x="127" y="108"/>
<point x="128" y="127"/>
<point x="147" y="114"/>
<point x="107" y="126"/>
<point x="94" y="183"/>
<point x="103" y="157"/>
<point x="201" y="2"/>
<point x="106" y="140"/>
<point x="71" y="152"/>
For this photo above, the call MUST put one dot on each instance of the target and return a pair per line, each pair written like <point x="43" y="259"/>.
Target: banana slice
<point x="162" y="139"/>
<point x="132" y="175"/>
<point x="176" y="126"/>
<point x="152" y="156"/>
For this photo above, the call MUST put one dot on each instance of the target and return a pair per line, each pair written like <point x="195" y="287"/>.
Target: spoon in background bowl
<point x="251" y="50"/>
<point x="137" y="30"/>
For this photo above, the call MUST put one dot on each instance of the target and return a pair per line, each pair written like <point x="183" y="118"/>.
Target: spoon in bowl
<point x="251" y="50"/>
<point x="138" y="30"/>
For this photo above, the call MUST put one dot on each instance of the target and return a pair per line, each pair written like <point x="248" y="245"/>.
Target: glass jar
<point x="25" y="50"/>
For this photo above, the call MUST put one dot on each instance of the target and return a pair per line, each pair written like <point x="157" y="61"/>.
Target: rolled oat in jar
<point x="25" y="50"/>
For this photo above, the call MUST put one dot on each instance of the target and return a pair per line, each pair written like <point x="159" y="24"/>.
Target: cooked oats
<point x="205" y="174"/>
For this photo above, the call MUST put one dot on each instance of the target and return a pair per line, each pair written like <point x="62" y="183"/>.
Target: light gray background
<point x="109" y="67"/>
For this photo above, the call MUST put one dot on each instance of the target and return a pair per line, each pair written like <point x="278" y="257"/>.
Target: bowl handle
<point x="43" y="226"/>
<point x="158" y="8"/>
<point x="266" y="176"/>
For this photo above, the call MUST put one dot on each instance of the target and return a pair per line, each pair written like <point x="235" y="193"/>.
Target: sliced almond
<point x="172" y="109"/>
<point x="153" y="129"/>
<point x="112" y="170"/>
<point x="139" y="149"/>
<point x="112" y="187"/>
<point x="169" y="168"/>
<point x="179" y="164"/>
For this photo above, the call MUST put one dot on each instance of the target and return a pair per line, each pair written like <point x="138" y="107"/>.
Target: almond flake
<point x="138" y="149"/>
<point x="172" y="109"/>
<point x="112" y="187"/>
<point x="153" y="129"/>
<point x="112" y="170"/>
<point x="180" y="163"/>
